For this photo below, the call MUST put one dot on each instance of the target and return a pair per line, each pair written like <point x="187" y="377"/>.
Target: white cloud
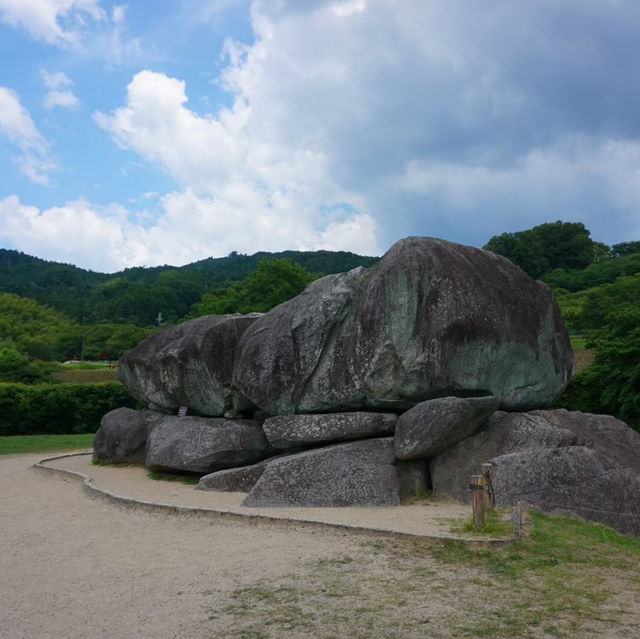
<point x="118" y="14"/>
<point x="416" y="116"/>
<point x="82" y="26"/>
<point x="75" y="232"/>
<point x="65" y="99"/>
<point x="188" y="228"/>
<point x="57" y="22"/>
<point x="487" y="109"/>
<point x="59" y="90"/>
<point x="18" y="127"/>
<point x="541" y="180"/>
<point x="240" y="192"/>
<point x="55" y="79"/>
<point x="16" y="123"/>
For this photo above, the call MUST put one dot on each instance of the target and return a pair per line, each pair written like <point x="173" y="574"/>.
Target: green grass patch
<point x="564" y="561"/>
<point x="19" y="444"/>
<point x="578" y="342"/>
<point x="85" y="366"/>
<point x="85" y="375"/>
<point x="553" y="542"/>
<point x="497" y="523"/>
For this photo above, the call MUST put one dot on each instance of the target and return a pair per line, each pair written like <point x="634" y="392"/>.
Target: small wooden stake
<point x="477" y="501"/>
<point x="489" y="495"/>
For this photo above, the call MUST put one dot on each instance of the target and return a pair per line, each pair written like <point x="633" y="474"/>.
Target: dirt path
<point x="73" y="567"/>
<point x="428" y="518"/>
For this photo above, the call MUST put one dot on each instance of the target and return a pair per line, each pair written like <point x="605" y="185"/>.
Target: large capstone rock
<point x="287" y="431"/>
<point x="204" y="445"/>
<point x="123" y="434"/>
<point x="555" y="460"/>
<point x="429" y="428"/>
<point x="431" y="318"/>
<point x="188" y="365"/>
<point x="362" y="473"/>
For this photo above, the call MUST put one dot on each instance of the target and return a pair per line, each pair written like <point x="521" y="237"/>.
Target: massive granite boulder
<point x="555" y="460"/>
<point x="290" y="431"/>
<point x="122" y="436"/>
<point x="188" y="365"/>
<point x="204" y="445"/>
<point x="361" y="473"/>
<point x="429" y="428"/>
<point x="430" y="319"/>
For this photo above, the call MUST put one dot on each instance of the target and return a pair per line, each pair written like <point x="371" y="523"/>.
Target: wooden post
<point x="477" y="501"/>
<point x="489" y="495"/>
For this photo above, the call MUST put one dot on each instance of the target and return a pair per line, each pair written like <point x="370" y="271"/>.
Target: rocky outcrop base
<point x="363" y="473"/>
<point x="201" y="445"/>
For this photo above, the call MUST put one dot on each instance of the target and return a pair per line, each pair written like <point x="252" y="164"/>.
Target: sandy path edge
<point x="228" y="506"/>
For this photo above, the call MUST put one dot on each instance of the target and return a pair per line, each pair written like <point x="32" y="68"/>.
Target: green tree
<point x="625" y="248"/>
<point x="524" y="249"/>
<point x="16" y="367"/>
<point x="31" y="327"/>
<point x="110" y="341"/>
<point x="273" y="282"/>
<point x="556" y="245"/>
<point x="611" y="315"/>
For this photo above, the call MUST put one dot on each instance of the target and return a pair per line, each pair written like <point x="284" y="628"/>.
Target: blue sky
<point x="165" y="132"/>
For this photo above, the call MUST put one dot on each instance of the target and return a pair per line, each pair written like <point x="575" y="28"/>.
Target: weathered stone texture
<point x="234" y="480"/>
<point x="362" y="473"/>
<point x="433" y="426"/>
<point x="286" y="431"/>
<point x="122" y="435"/>
<point x="204" y="445"/>
<point x="188" y="365"/>
<point x="555" y="460"/>
<point x="430" y="318"/>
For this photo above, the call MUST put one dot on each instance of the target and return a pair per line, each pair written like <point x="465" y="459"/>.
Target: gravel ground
<point x="73" y="567"/>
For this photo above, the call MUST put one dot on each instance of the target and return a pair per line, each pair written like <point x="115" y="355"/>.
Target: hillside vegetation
<point x="598" y="289"/>
<point x="138" y="295"/>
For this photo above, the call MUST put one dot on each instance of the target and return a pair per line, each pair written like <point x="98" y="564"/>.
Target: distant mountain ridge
<point x="136" y="295"/>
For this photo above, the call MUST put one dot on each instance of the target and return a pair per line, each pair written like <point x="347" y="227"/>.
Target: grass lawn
<point x="85" y="373"/>
<point x="566" y="579"/>
<point x="17" y="444"/>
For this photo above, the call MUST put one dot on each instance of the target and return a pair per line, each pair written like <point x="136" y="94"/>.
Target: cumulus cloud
<point x="18" y="127"/>
<point x="421" y="118"/>
<point x="241" y="192"/>
<point x="59" y="93"/>
<point x="508" y="94"/>
<point x="75" y="232"/>
<point x="57" y="22"/>
<point x="189" y="227"/>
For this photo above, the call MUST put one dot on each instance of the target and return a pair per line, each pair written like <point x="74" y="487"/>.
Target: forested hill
<point x="137" y="295"/>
